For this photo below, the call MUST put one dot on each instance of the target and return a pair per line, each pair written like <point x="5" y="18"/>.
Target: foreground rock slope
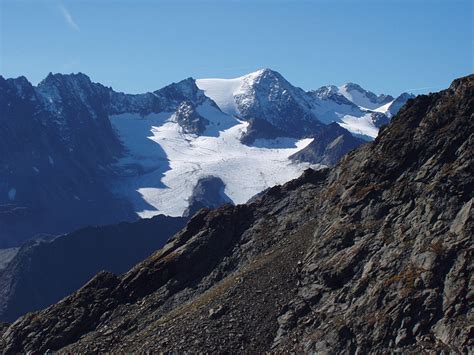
<point x="375" y="254"/>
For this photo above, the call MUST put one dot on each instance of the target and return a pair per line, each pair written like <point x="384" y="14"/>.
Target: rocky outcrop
<point x="208" y="193"/>
<point x="189" y="119"/>
<point x="373" y="255"/>
<point x="370" y="99"/>
<point x="328" y="146"/>
<point x="260" y="129"/>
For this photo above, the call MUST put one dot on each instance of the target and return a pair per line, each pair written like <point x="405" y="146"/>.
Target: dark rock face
<point x="189" y="119"/>
<point x="373" y="255"/>
<point x="165" y="99"/>
<point x="379" y="119"/>
<point x="208" y="193"/>
<point x="54" y="157"/>
<point x="331" y="92"/>
<point x="43" y="272"/>
<point x="259" y="128"/>
<point x="328" y="146"/>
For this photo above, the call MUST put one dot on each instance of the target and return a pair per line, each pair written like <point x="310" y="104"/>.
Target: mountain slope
<point x="372" y="255"/>
<point x="328" y="146"/>
<point x="55" y="152"/>
<point x="43" y="272"/>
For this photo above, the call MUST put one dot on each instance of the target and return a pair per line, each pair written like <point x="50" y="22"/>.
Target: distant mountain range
<point x="40" y="273"/>
<point x="75" y="153"/>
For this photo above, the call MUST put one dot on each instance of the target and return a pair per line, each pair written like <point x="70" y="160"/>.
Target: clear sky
<point x="135" y="46"/>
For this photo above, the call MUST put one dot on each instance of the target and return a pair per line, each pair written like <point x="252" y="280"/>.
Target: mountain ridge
<point x="374" y="254"/>
<point x="74" y="147"/>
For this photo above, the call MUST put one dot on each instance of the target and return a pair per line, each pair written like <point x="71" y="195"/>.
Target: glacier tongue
<point x="164" y="163"/>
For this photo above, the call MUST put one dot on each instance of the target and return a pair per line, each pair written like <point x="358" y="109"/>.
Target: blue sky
<point x="386" y="46"/>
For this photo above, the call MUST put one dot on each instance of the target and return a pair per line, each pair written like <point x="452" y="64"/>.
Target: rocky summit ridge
<point x="373" y="255"/>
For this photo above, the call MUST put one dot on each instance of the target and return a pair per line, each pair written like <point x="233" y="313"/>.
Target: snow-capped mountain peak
<point x="224" y="91"/>
<point x="264" y="95"/>
<point x="364" y="98"/>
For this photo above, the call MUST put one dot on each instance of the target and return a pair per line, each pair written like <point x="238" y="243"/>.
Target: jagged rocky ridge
<point x="43" y="180"/>
<point x="372" y="255"/>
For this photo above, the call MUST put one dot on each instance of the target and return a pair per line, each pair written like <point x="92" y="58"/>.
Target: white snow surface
<point x="224" y="91"/>
<point x="360" y="126"/>
<point x="358" y="98"/>
<point x="164" y="164"/>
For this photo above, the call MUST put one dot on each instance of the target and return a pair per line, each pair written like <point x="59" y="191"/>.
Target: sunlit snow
<point x="164" y="164"/>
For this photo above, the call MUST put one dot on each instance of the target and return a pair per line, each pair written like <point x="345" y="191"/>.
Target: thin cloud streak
<point x="68" y="17"/>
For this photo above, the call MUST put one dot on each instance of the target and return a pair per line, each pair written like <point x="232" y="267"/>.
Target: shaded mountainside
<point x="375" y="254"/>
<point x="58" y="151"/>
<point x="42" y="272"/>
<point x="328" y="146"/>
<point x="54" y="155"/>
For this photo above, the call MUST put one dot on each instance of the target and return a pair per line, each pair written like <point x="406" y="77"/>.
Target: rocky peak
<point x="185" y="90"/>
<point x="189" y="119"/>
<point x="266" y="74"/>
<point x="398" y="103"/>
<point x="373" y="98"/>
<point x="325" y="92"/>
<point x="266" y="95"/>
<point x="19" y="87"/>
<point x="331" y="92"/>
<point x="78" y="87"/>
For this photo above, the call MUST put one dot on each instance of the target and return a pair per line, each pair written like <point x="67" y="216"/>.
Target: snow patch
<point x="221" y="91"/>
<point x="360" y="125"/>
<point x="359" y="98"/>
<point x="224" y="91"/>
